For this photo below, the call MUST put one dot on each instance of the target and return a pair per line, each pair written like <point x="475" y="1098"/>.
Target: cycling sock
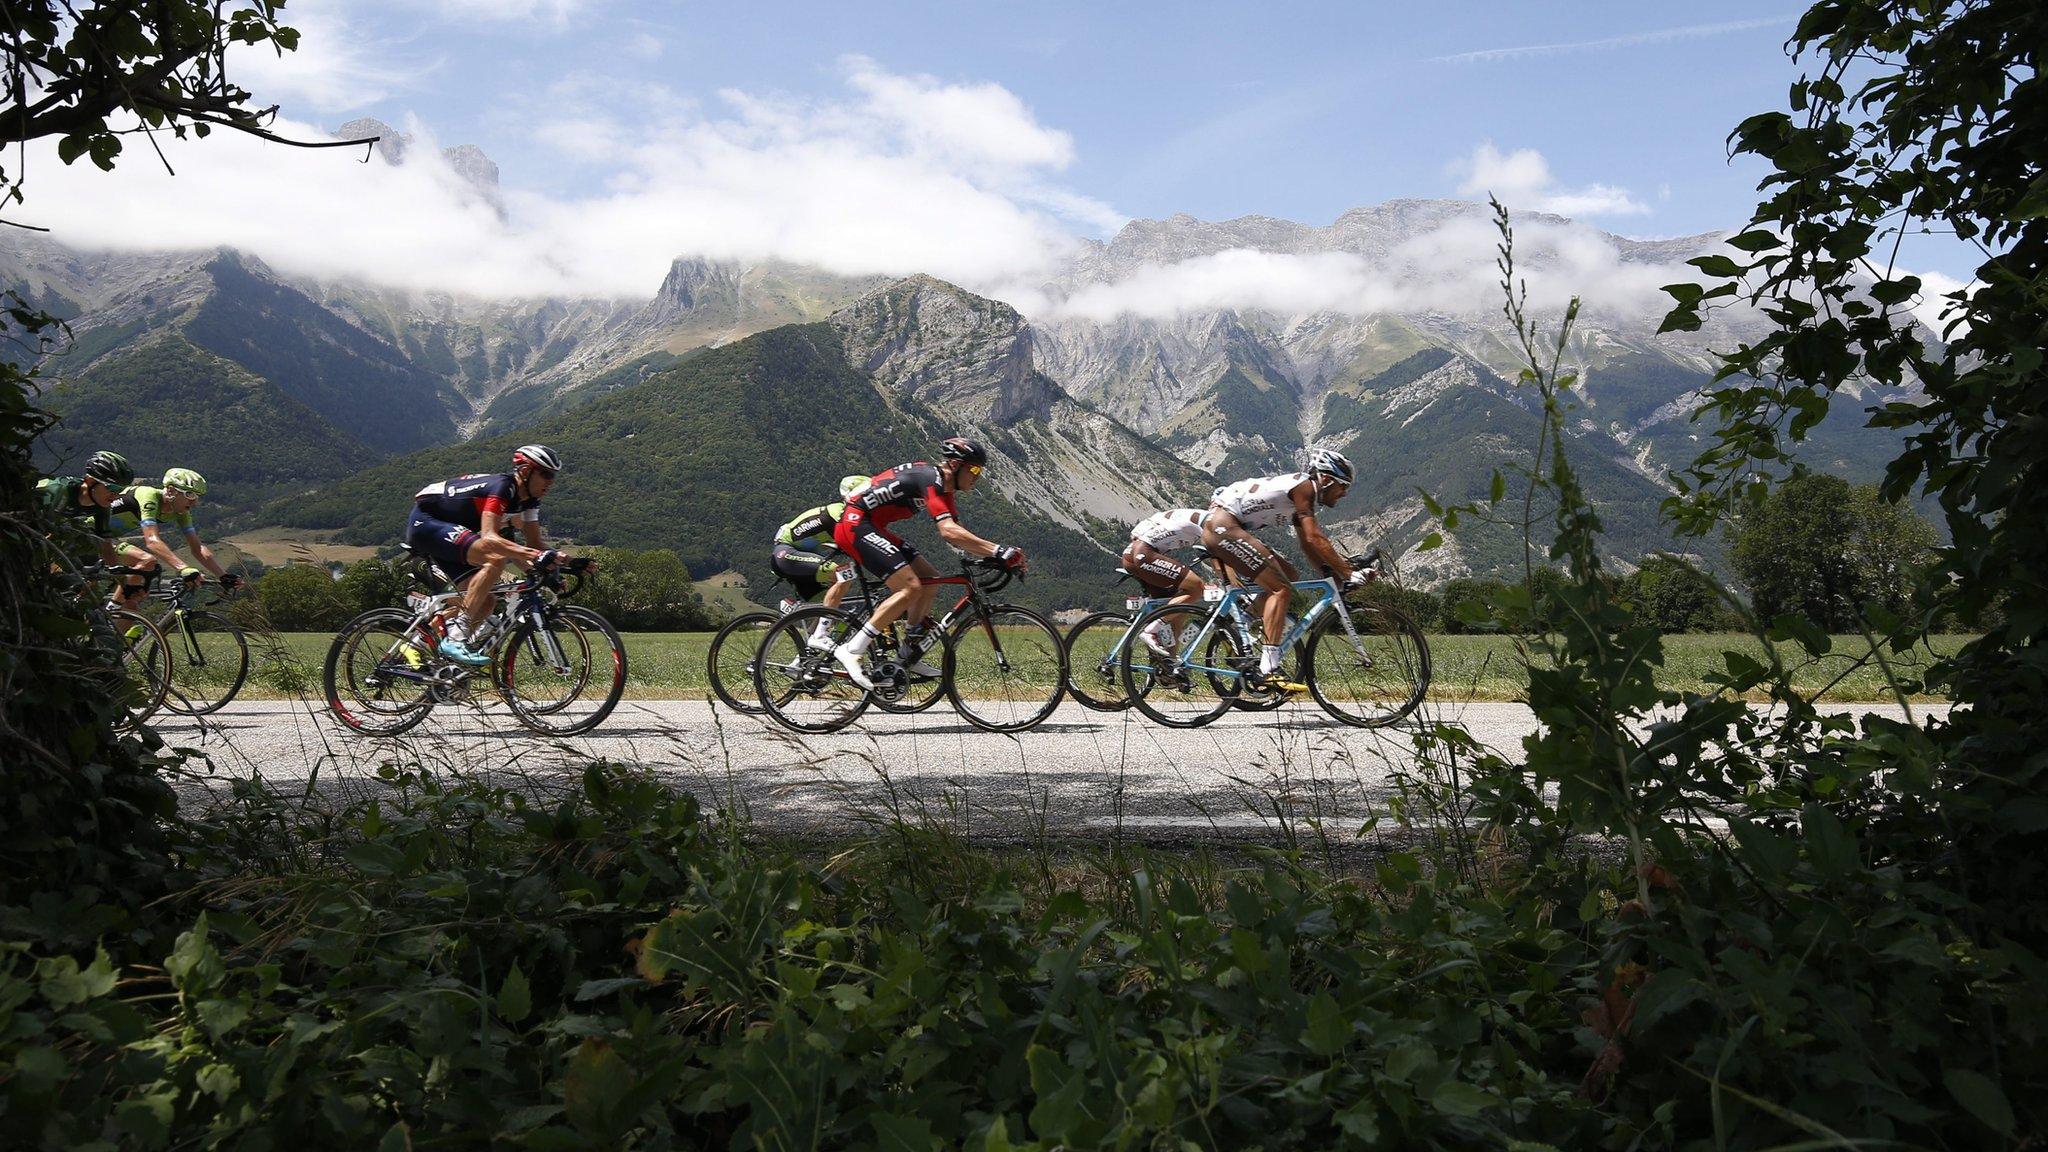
<point x="822" y="634"/>
<point x="1269" y="659"/>
<point x="860" y="641"/>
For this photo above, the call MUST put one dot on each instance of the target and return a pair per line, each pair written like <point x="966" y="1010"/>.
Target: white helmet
<point x="538" y="455"/>
<point x="848" y="485"/>
<point x="1331" y="464"/>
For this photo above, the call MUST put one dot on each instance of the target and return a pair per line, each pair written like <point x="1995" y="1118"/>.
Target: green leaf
<point x="2033" y="203"/>
<point x="1361" y="1121"/>
<point x="1982" y="1096"/>
<point x="1889" y="292"/>
<point x="1663" y="994"/>
<point x="1755" y="240"/>
<point x="515" y="997"/>
<point x="894" y="1133"/>
<point x="1062" y="1109"/>
<point x="1768" y="853"/>
<point x="1328" y="1031"/>
<point x="375" y="858"/>
<point x="1828" y="842"/>
<point x="597" y="989"/>
<point x="1716" y="265"/>
<point x="397" y="1139"/>
<point x="1457" y="1098"/>
<point x="222" y="1016"/>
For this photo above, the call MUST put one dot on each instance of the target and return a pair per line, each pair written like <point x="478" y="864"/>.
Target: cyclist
<point x="84" y="501"/>
<point x="806" y="555"/>
<point x="456" y="524"/>
<point x="149" y="509"/>
<point x="1235" y="510"/>
<point x="1148" y="559"/>
<point x="863" y="533"/>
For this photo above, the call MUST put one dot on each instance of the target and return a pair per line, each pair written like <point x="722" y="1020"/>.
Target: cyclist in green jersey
<point x="84" y="501"/>
<point x="806" y="555"/>
<point x="150" y="511"/>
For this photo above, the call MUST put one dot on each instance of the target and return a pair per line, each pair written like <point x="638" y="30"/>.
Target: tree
<point x="302" y="598"/>
<point x="647" y="591"/>
<point x="1830" y="551"/>
<point x="1677" y="597"/>
<point x="371" y="583"/>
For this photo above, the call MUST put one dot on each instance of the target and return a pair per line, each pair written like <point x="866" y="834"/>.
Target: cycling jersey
<point x="812" y="529"/>
<point x="1171" y="530"/>
<point x="900" y="493"/>
<point x="465" y="499"/>
<point x="141" y="507"/>
<point x="1263" y="502"/>
<point x="59" y="496"/>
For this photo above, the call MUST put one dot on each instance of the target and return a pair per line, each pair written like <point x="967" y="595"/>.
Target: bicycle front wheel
<point x="796" y="678"/>
<point x="1375" y="677"/>
<point x="1005" y="671"/>
<point x="209" y="662"/>
<point x="563" y="674"/>
<point x="145" y="666"/>
<point x="1093" y="649"/>
<point x="729" y="663"/>
<point x="379" y="673"/>
<point x="1171" y="682"/>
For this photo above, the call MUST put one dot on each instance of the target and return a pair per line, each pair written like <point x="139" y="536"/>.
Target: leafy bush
<point x="1673" y="596"/>
<point x="1831" y="551"/>
<point x="648" y="591"/>
<point x="302" y="598"/>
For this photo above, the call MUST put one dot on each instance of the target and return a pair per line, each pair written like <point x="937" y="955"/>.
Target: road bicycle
<point x="561" y="668"/>
<point x="1366" y="664"/>
<point x="729" y="663"/>
<point x="1095" y="646"/>
<point x="209" y="655"/>
<point x="143" y="659"/>
<point x="1002" y="665"/>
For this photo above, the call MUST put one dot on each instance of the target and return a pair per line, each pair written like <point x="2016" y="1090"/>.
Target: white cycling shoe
<point x="855" y="670"/>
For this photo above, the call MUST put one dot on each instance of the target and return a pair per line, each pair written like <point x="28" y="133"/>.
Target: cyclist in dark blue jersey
<point x="458" y="525"/>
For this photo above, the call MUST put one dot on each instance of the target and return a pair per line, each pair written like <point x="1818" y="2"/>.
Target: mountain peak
<point x="947" y="346"/>
<point x="469" y="161"/>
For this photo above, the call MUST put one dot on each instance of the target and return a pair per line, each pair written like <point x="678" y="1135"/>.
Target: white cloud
<point x="908" y="174"/>
<point x="334" y="69"/>
<point x="1629" y="40"/>
<point x="1522" y="179"/>
<point x="552" y="12"/>
<point x="1932" y="307"/>
<point x="644" y="46"/>
<point x="1447" y="270"/>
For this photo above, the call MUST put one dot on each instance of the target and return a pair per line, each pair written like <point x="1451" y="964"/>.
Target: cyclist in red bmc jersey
<point x="863" y="533"/>
<point x="456" y="524"/>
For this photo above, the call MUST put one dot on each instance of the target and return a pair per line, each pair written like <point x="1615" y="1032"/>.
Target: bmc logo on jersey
<point x="881" y="494"/>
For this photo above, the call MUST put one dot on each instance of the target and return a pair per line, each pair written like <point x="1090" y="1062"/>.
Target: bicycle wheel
<point x="564" y="673"/>
<point x="209" y="662"/>
<point x="1006" y="671"/>
<point x="1173" y="688"/>
<point x="379" y="674"/>
<point x="1093" y="646"/>
<point x="1374" y="679"/>
<point x="145" y="666"/>
<point x="800" y="684"/>
<point x="729" y="663"/>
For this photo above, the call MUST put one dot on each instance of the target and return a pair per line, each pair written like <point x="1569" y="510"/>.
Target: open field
<point x="670" y="665"/>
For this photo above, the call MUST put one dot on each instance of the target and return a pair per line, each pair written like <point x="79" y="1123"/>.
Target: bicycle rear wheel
<point x="1376" y="679"/>
<point x="209" y="662"/>
<point x="564" y="673"/>
<point x="729" y="663"/>
<point x="379" y="673"/>
<point x="145" y="666"/>
<point x="1179" y="688"/>
<point x="799" y="683"/>
<point x="1006" y="671"/>
<point x="1093" y="648"/>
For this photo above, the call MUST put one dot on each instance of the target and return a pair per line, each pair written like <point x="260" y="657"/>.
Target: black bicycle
<point x="1002" y="665"/>
<point x="209" y="655"/>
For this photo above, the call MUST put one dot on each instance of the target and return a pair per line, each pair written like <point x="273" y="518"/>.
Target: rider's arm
<point x="154" y="543"/>
<point x="1314" y="541"/>
<point x="956" y="534"/>
<point x="204" y="555"/>
<point x="109" y="555"/>
<point x="531" y="530"/>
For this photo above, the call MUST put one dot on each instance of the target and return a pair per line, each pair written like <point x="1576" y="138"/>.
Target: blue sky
<point x="977" y="142"/>
<point x="1292" y="110"/>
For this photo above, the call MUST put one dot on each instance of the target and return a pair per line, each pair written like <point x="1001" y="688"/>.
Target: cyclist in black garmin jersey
<point x="456" y="524"/>
<point x="806" y="555"/>
<point x="896" y="495"/>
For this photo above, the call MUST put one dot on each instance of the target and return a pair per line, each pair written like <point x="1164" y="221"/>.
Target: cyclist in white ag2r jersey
<point x="1148" y="558"/>
<point x="1238" y="510"/>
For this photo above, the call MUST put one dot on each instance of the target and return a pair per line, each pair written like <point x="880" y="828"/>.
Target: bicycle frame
<point x="1230" y="602"/>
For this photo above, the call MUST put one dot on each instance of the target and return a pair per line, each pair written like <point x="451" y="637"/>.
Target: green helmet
<point x="848" y="485"/>
<point x="111" y="469"/>
<point x="185" y="480"/>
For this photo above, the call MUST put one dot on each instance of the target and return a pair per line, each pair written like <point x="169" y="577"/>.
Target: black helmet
<point x="961" y="448"/>
<point x="111" y="469"/>
<point x="539" y="456"/>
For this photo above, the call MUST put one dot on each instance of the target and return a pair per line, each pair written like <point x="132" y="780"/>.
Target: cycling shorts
<point x="810" y="571"/>
<point x="1159" y="573"/>
<point x="445" y="544"/>
<point x="880" y="551"/>
<point x="1236" y="547"/>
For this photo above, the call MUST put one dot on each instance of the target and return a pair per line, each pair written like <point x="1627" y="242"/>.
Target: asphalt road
<point x="1081" y="774"/>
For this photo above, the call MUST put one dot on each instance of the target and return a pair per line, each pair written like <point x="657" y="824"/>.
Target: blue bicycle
<point x="1095" y="647"/>
<point x="1366" y="664"/>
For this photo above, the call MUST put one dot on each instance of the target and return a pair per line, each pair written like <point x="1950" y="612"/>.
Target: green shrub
<point x="302" y="598"/>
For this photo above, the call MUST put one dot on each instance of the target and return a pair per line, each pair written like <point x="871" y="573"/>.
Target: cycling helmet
<point x="110" y="468"/>
<point x="538" y="455"/>
<point x="185" y="480"/>
<point x="848" y="485"/>
<point x="1331" y="464"/>
<point x="961" y="448"/>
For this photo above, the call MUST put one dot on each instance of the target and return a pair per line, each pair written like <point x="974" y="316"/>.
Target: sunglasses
<point x="974" y="469"/>
<point x="544" y="473"/>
